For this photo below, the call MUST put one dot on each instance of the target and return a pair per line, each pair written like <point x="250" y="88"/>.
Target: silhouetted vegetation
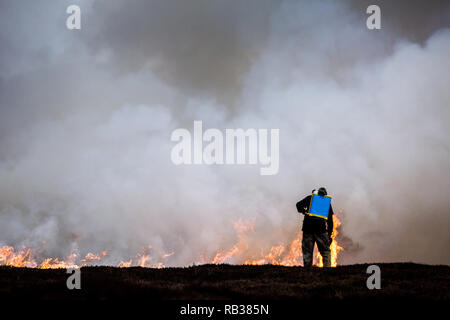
<point x="399" y="281"/>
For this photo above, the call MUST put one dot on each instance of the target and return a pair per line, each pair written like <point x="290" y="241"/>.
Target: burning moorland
<point x="289" y="254"/>
<point x="86" y="116"/>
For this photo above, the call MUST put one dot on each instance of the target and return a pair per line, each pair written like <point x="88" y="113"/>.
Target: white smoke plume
<point x="86" y="118"/>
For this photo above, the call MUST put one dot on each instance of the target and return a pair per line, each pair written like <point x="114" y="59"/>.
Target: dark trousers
<point x="323" y="244"/>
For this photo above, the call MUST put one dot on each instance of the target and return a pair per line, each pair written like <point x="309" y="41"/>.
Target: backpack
<point x="319" y="206"/>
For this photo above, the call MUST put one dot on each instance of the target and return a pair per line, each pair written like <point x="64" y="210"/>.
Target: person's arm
<point x="330" y="222"/>
<point x="303" y="205"/>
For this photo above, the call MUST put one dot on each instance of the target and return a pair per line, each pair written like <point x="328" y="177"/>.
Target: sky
<point x="86" y="118"/>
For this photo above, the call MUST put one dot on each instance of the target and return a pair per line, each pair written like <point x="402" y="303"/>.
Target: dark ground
<point x="400" y="282"/>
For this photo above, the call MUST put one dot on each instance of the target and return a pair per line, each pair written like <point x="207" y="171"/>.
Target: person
<point x="317" y="226"/>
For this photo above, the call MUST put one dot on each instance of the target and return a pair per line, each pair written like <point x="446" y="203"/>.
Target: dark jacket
<point x="315" y="224"/>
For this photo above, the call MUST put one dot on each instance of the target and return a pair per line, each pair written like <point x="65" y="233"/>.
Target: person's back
<point x="317" y="226"/>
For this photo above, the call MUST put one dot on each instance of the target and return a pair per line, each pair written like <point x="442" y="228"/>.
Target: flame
<point x="125" y="264"/>
<point x="286" y="255"/>
<point x="23" y="258"/>
<point x="335" y="248"/>
<point x="242" y="228"/>
<point x="144" y="259"/>
<point x="164" y="256"/>
<point x="281" y="254"/>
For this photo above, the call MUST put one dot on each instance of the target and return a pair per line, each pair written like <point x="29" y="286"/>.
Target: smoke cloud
<point x="86" y="118"/>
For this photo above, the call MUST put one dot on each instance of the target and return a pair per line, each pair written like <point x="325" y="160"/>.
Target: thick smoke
<point x="86" y="118"/>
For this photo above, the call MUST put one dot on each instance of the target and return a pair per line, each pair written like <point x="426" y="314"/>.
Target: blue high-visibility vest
<point x="319" y="206"/>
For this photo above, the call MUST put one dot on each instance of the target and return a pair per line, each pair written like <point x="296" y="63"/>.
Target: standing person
<point x="317" y="226"/>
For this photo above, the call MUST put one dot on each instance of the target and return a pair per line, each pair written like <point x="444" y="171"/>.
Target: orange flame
<point x="286" y="255"/>
<point x="23" y="258"/>
<point x="125" y="264"/>
<point x="335" y="248"/>
<point x="281" y="254"/>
